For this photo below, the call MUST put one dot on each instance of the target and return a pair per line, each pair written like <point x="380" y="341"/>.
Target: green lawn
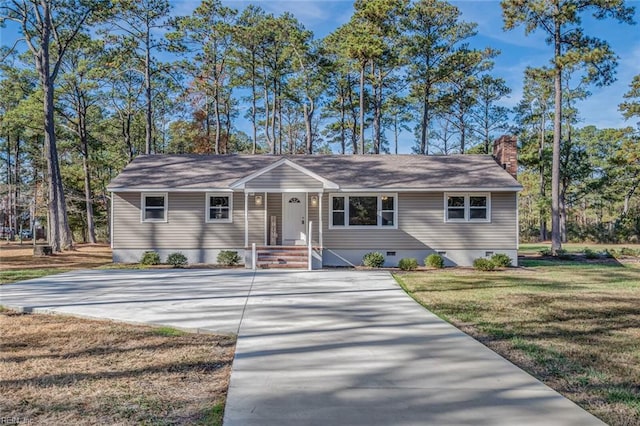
<point x="573" y="248"/>
<point x="574" y="325"/>
<point x="12" y="276"/>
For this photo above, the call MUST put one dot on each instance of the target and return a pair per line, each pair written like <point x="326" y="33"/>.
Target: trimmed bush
<point x="150" y="258"/>
<point x="177" y="260"/>
<point x="483" y="264"/>
<point x="501" y="260"/>
<point x="434" y="261"/>
<point x="590" y="254"/>
<point x="408" y="264"/>
<point x="545" y="252"/>
<point x="563" y="254"/>
<point x="628" y="251"/>
<point x="373" y="260"/>
<point x="228" y="258"/>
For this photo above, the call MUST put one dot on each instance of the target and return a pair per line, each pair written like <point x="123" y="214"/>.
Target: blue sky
<point x="518" y="50"/>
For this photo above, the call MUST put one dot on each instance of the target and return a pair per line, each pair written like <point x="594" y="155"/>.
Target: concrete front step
<point x="276" y="265"/>
<point x="271" y="257"/>
<point x="281" y="253"/>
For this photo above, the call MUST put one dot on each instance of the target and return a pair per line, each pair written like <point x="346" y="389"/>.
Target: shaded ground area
<point x="574" y="325"/>
<point x="351" y="348"/>
<point x="84" y="256"/>
<point x="18" y="263"/>
<point x="62" y="370"/>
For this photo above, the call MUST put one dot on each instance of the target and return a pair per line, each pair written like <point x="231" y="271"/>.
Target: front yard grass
<point x="17" y="262"/>
<point x="62" y="370"/>
<point x="573" y="325"/>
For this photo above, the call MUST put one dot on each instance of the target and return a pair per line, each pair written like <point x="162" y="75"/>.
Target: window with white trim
<point x="219" y="208"/>
<point x="154" y="207"/>
<point x="468" y="207"/>
<point x="364" y="211"/>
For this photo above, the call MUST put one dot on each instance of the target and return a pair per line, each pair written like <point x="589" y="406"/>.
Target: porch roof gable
<point x="253" y="180"/>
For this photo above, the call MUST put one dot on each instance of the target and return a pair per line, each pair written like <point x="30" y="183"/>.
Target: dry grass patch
<point x="17" y="262"/>
<point x="63" y="370"/>
<point x="575" y="326"/>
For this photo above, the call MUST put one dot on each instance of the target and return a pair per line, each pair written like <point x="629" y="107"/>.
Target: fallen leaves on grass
<point x="63" y="370"/>
<point x="575" y="326"/>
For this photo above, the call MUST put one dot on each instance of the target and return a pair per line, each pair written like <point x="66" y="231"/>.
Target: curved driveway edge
<point x="207" y="300"/>
<point x="317" y="348"/>
<point x="352" y="348"/>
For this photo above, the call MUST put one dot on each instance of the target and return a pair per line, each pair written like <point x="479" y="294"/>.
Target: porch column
<point x="320" y="220"/>
<point x="246" y="219"/>
<point x="266" y="220"/>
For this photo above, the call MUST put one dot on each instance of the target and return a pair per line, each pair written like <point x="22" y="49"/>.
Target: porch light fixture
<point x="258" y="199"/>
<point x="314" y="200"/>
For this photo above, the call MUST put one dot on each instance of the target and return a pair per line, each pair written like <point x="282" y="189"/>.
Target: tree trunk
<point x="543" y="183"/>
<point x="267" y="118"/>
<point x="377" y="108"/>
<point x="424" y="125"/>
<point x="84" y="144"/>
<point x="556" y="236"/>
<point x="343" y="136"/>
<point x="361" y="108"/>
<point x="354" y="120"/>
<point x="60" y="234"/>
<point x="308" y="117"/>
<point x="216" y="116"/>
<point x="147" y="87"/>
<point x="254" y="108"/>
<point x="395" y="132"/>
<point x="16" y="182"/>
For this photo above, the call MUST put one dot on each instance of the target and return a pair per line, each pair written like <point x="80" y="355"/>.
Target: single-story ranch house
<point x="318" y="210"/>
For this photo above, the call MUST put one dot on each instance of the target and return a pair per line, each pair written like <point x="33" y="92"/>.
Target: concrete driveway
<point x="317" y="348"/>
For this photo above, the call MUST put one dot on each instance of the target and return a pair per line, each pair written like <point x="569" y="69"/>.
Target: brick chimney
<point x="505" y="152"/>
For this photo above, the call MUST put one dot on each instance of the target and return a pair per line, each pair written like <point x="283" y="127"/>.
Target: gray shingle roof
<point x="389" y="172"/>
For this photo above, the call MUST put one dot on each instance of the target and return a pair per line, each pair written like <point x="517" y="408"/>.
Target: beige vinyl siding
<point x="421" y="226"/>
<point x="256" y="220"/>
<point x="284" y="177"/>
<point x="314" y="218"/>
<point x="274" y="208"/>
<point x="185" y="227"/>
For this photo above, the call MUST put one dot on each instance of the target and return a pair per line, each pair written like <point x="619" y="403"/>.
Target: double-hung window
<point x="154" y="207"/>
<point x="470" y="207"/>
<point x="219" y="208"/>
<point x="364" y="211"/>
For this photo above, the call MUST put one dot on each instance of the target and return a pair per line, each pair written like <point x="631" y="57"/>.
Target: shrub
<point x="501" y="260"/>
<point x="150" y="258"/>
<point x="483" y="264"/>
<point x="177" y="260"/>
<point x="563" y="254"/>
<point x="434" y="261"/>
<point x="627" y="251"/>
<point x="373" y="260"/>
<point x="228" y="258"/>
<point x="408" y="264"/>
<point x="545" y="252"/>
<point x="590" y="254"/>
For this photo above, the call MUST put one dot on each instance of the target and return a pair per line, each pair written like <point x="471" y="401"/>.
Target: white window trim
<point x="143" y="206"/>
<point x="467" y="207"/>
<point x="379" y="196"/>
<point x="207" y="205"/>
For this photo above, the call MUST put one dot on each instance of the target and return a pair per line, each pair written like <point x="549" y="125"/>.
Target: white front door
<point x="294" y="218"/>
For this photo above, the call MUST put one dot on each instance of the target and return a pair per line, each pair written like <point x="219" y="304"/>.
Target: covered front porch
<point x="283" y="216"/>
<point x="283" y="229"/>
